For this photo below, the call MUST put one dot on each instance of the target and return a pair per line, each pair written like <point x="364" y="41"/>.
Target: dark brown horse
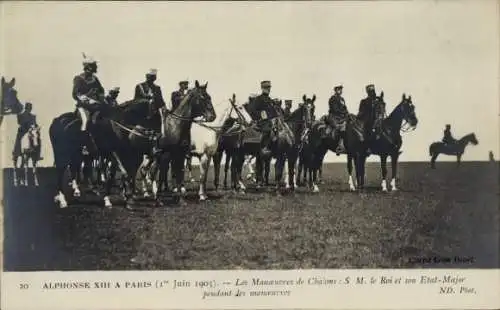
<point x="175" y="142"/>
<point x="9" y="103"/>
<point x="456" y="149"/>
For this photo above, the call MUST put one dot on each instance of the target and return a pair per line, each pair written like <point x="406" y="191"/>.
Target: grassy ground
<point x="439" y="213"/>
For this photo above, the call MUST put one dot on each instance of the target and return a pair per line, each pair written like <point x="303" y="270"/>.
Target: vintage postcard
<point x="250" y="155"/>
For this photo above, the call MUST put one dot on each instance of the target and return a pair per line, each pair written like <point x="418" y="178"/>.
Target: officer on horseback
<point x="87" y="90"/>
<point x="25" y="120"/>
<point x="288" y="109"/>
<point x="337" y="116"/>
<point x="448" y="138"/>
<point x="371" y="112"/>
<point x="148" y="90"/>
<point x="178" y="95"/>
<point x="110" y="99"/>
<point x="264" y="105"/>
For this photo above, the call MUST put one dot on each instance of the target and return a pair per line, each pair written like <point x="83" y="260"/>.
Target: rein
<point x="133" y="131"/>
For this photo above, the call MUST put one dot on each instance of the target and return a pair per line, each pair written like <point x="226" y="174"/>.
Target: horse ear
<point x="404" y="96"/>
<point x="382" y="94"/>
<point x="304" y="98"/>
<point x="314" y="98"/>
<point x="12" y="82"/>
<point x="206" y="85"/>
<point x="234" y="97"/>
<point x="409" y="97"/>
<point x="197" y="84"/>
<point x="3" y="80"/>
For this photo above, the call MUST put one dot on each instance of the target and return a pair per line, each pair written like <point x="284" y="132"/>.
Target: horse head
<point x="201" y="102"/>
<point x="9" y="101"/>
<point x="473" y="139"/>
<point x="406" y="110"/>
<point x="307" y="108"/>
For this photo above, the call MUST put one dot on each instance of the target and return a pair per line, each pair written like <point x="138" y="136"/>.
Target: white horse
<point x="205" y="141"/>
<point x="30" y="149"/>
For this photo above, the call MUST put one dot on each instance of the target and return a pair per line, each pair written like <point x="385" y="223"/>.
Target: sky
<point x="442" y="53"/>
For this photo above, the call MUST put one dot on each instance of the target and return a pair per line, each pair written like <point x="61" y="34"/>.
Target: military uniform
<point x="177" y="96"/>
<point x="86" y="87"/>
<point x="448" y="138"/>
<point x="366" y="111"/>
<point x="288" y="109"/>
<point x="147" y="91"/>
<point x="263" y="107"/>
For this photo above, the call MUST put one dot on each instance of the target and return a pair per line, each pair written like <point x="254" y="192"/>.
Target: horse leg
<point x="278" y="168"/>
<point x="258" y="170"/>
<point x="60" y="198"/>
<point x="352" y="187"/>
<point x="267" y="170"/>
<point x="74" y="170"/>
<point x="15" y="178"/>
<point x="383" y="166"/>
<point x="24" y="165"/>
<point x="394" y="164"/>
<point x="459" y="159"/>
<point x="433" y="160"/>
<point x="217" y="160"/>
<point x="240" y="161"/>
<point x="204" y="165"/>
<point x="226" y="168"/>
<point x="35" y="173"/>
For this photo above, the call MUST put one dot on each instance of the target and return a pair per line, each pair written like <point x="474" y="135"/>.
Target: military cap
<point x="87" y="60"/>
<point x="448" y="125"/>
<point x="370" y="87"/>
<point x="114" y="90"/>
<point x="265" y="84"/>
<point x="28" y="104"/>
<point x="338" y="87"/>
<point x="288" y="101"/>
<point x="152" y="72"/>
<point x="184" y="82"/>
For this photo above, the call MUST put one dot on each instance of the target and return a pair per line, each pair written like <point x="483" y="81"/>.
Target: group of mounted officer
<point x="88" y="90"/>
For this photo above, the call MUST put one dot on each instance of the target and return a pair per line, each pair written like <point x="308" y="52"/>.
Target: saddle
<point x="252" y="135"/>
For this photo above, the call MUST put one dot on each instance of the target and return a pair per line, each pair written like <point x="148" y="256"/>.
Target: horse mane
<point x="467" y="136"/>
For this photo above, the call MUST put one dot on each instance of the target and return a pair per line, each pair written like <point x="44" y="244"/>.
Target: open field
<point x="443" y="213"/>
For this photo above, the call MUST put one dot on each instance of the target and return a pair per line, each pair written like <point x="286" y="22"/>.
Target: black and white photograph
<point x="282" y="135"/>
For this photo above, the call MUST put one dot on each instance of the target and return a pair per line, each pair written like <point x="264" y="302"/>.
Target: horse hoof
<point x="203" y="198"/>
<point x="192" y="180"/>
<point x="77" y="193"/>
<point x="394" y="189"/>
<point x="242" y="192"/>
<point x="146" y="195"/>
<point x="176" y="190"/>
<point x="183" y="190"/>
<point x="107" y="202"/>
<point x="315" y="189"/>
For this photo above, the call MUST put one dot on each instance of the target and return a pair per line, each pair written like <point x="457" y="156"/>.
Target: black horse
<point x="120" y="134"/>
<point x="387" y="143"/>
<point x="456" y="149"/>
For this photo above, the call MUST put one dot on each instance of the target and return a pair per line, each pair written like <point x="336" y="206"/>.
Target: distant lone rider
<point x="25" y="120"/>
<point x="448" y="138"/>
<point x="87" y="90"/>
<point x="337" y="115"/>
